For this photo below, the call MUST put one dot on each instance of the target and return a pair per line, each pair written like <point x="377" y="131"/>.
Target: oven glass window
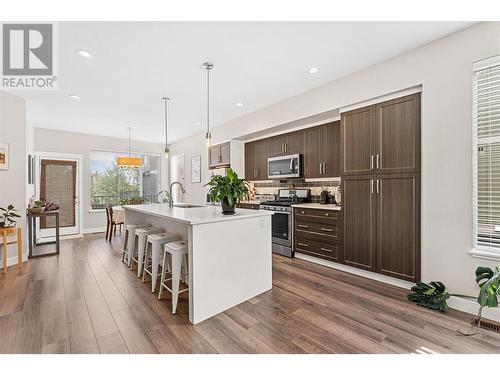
<point x="280" y="226"/>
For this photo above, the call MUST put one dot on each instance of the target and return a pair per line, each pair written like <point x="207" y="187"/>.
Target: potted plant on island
<point x="8" y="216"/>
<point x="228" y="190"/>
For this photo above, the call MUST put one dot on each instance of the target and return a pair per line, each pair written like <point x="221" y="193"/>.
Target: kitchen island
<point x="229" y="255"/>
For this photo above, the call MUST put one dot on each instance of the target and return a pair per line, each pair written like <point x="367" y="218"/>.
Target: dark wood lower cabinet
<point x="398" y="226"/>
<point x="318" y="233"/>
<point x="382" y="224"/>
<point x="358" y="207"/>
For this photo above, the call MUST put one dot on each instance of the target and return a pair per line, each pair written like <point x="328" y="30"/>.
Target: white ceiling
<point x="137" y="63"/>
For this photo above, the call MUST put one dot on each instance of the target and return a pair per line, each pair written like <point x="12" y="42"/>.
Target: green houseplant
<point x="433" y="295"/>
<point x="8" y="216"/>
<point x="228" y="190"/>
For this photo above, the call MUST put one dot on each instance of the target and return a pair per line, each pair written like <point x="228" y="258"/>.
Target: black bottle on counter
<point x="324" y="197"/>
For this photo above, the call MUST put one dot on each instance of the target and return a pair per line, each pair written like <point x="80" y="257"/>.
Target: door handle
<point x="330" y="251"/>
<point x="372" y="162"/>
<point x="326" y="230"/>
<point x="324" y="168"/>
<point x="371" y="186"/>
<point x="378" y="186"/>
<point x="302" y="244"/>
<point x="378" y="161"/>
<point x="320" y="168"/>
<point x="302" y="226"/>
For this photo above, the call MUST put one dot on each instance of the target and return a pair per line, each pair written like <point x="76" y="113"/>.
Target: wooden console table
<point x="31" y="218"/>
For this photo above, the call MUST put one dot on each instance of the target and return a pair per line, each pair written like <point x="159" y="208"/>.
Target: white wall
<point x="47" y="140"/>
<point x="13" y="130"/>
<point x="443" y="68"/>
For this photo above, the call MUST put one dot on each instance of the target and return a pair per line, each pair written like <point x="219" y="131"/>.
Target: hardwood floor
<point x="87" y="301"/>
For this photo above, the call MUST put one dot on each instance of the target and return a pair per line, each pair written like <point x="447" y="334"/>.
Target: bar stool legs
<point x="153" y="255"/>
<point x="178" y="251"/>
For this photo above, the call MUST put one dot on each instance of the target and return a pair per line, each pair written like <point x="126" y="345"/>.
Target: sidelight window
<point x="486" y="157"/>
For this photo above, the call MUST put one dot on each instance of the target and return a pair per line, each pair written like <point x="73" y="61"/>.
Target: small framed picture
<point x="196" y="169"/>
<point x="4" y="156"/>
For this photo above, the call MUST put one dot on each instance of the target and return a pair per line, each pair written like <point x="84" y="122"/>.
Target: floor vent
<point x="487" y="324"/>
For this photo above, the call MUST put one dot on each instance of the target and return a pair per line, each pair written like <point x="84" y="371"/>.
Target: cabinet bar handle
<point x="379" y="186"/>
<point x="371" y="186"/>
<point x="372" y="162"/>
<point x="378" y="161"/>
<point x="326" y="214"/>
<point x="303" y="244"/>
<point x="320" y="168"/>
<point x="302" y="226"/>
<point x="324" y="168"/>
<point x="330" y="251"/>
<point x="326" y="230"/>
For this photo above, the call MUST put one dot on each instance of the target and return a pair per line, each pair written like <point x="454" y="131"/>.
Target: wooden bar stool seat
<point x="5" y="233"/>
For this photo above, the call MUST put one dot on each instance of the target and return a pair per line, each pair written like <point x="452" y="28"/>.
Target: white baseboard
<point x="356" y="271"/>
<point x="457" y="303"/>
<point x="94" y="230"/>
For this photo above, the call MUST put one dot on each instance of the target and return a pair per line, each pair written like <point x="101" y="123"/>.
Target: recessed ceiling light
<point x="74" y="96"/>
<point x="239" y="104"/>
<point x="313" y="70"/>
<point x="84" y="53"/>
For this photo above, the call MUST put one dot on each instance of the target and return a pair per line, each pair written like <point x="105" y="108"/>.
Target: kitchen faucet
<point x="171" y="201"/>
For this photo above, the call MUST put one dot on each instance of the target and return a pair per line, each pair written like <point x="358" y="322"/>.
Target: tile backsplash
<point x="266" y="187"/>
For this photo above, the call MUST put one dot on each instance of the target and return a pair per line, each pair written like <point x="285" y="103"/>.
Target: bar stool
<point x="139" y="245"/>
<point x="128" y="243"/>
<point x="179" y="251"/>
<point x="152" y="256"/>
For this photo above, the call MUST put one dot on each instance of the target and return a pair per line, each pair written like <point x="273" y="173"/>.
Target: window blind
<point x="486" y="154"/>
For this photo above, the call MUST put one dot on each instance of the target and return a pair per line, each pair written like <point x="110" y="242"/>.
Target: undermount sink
<point x="186" y="205"/>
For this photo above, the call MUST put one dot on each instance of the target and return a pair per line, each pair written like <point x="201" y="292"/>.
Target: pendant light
<point x="208" y="66"/>
<point x="128" y="162"/>
<point x="165" y="101"/>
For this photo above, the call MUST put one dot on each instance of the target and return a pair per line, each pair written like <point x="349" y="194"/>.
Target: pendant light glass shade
<point x="128" y="161"/>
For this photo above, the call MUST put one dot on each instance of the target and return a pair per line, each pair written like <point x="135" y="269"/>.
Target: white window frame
<point x="484" y="252"/>
<point x="97" y="210"/>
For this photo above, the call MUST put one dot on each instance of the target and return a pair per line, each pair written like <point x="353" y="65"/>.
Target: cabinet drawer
<point x="311" y="214"/>
<point x="330" y="250"/>
<point x="311" y="228"/>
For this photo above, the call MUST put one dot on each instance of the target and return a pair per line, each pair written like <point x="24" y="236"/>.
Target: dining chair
<point x="111" y="224"/>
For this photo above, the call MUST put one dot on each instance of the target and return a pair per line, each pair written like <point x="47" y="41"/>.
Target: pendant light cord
<point x="208" y="66"/>
<point x="165" y="101"/>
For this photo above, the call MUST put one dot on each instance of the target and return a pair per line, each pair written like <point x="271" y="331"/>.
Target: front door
<point x="59" y="184"/>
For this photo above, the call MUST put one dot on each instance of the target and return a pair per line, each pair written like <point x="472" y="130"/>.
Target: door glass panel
<point x="58" y="185"/>
<point x="280" y="226"/>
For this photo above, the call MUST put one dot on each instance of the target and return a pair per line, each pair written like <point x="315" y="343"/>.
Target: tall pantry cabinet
<point x="380" y="167"/>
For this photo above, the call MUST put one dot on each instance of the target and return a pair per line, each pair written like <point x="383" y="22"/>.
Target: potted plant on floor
<point x="228" y="190"/>
<point x="8" y="216"/>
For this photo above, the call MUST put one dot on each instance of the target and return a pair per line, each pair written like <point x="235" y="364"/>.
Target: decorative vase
<point x="227" y="209"/>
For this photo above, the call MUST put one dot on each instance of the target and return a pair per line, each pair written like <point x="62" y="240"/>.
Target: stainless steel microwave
<point x="282" y="167"/>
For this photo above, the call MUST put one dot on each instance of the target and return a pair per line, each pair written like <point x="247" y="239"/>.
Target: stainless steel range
<point x="282" y="220"/>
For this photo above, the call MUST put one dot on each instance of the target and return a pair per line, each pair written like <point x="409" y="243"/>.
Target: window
<point x="110" y="184"/>
<point x="486" y="156"/>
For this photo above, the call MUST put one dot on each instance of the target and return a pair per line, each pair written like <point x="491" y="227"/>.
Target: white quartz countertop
<point x="333" y="207"/>
<point x="194" y="215"/>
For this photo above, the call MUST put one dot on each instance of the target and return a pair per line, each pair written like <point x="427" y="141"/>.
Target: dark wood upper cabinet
<point x="218" y="155"/>
<point x="398" y="135"/>
<point x="310" y="151"/>
<point x="285" y="144"/>
<point x="256" y="154"/>
<point x="357" y="141"/>
<point x="398" y="225"/>
<point x="321" y="151"/>
<point x="330" y="149"/>
<point x="358" y="208"/>
<point x="382" y="138"/>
